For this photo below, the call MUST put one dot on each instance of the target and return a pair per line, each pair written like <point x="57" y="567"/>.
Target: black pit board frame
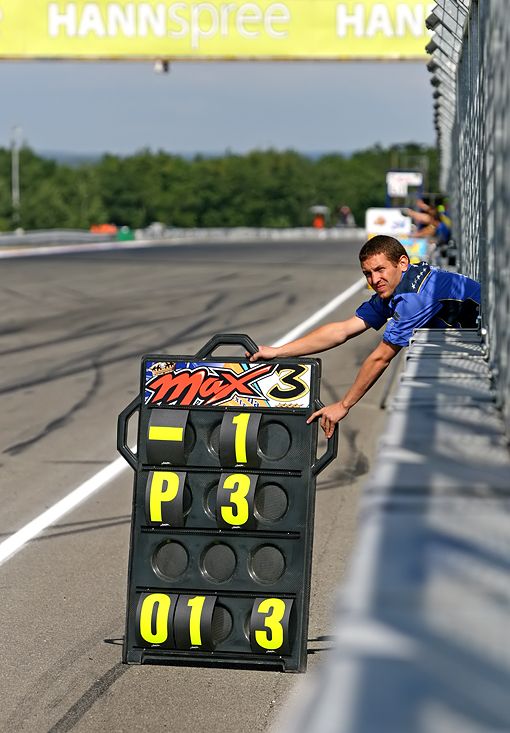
<point x="211" y="578"/>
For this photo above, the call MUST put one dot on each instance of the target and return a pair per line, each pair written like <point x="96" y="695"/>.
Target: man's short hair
<point x="383" y="245"/>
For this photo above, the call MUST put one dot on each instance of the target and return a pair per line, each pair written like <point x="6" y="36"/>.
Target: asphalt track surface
<point x="72" y="330"/>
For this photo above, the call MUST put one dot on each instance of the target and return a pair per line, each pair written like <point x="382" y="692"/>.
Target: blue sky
<point x="121" y="107"/>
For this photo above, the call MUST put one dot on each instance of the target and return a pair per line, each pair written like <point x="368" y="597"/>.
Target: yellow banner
<point x="262" y="29"/>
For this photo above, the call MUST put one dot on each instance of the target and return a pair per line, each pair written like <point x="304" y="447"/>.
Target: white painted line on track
<point x="83" y="248"/>
<point x="15" y="542"/>
<point x="19" y="539"/>
<point x="86" y="247"/>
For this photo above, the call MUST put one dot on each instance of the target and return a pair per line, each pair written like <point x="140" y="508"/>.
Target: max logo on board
<point x="205" y="386"/>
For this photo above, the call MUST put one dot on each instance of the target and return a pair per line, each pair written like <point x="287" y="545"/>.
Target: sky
<point x="89" y="108"/>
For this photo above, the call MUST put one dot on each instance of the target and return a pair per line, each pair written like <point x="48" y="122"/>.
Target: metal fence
<point x="421" y="622"/>
<point x="470" y="51"/>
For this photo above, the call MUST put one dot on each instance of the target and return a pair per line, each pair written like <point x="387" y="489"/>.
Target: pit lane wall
<point x="50" y="241"/>
<point x="470" y="57"/>
<point x="420" y="633"/>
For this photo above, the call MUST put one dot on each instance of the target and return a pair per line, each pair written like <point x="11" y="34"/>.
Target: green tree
<point x="260" y="189"/>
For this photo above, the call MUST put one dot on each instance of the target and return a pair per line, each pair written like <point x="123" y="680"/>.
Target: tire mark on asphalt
<point x="10" y="330"/>
<point x="260" y="299"/>
<point x="42" y="693"/>
<point x="99" y="525"/>
<point x="23" y="295"/>
<point x="86" y="332"/>
<point x="103" y="327"/>
<point x="78" y="527"/>
<point x="73" y="368"/>
<point x="60" y="421"/>
<point x="215" y="301"/>
<point x="225" y="276"/>
<point x="81" y="364"/>
<point x="87" y="700"/>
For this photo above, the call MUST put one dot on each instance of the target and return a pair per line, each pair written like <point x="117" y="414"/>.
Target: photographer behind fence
<point x="406" y="297"/>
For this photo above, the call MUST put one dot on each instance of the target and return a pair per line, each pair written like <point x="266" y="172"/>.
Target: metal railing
<point x="470" y="51"/>
<point x="171" y="234"/>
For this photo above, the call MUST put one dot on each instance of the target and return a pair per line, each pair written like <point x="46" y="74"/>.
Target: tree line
<point x="259" y="189"/>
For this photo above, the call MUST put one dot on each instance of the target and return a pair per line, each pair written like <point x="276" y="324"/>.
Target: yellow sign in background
<point x="294" y="29"/>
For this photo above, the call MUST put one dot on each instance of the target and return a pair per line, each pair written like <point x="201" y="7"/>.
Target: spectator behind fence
<point x="425" y="220"/>
<point x="444" y="229"/>
<point x="345" y="217"/>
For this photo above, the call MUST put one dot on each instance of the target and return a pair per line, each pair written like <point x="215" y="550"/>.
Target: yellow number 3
<point x="241" y="483"/>
<point x="272" y="622"/>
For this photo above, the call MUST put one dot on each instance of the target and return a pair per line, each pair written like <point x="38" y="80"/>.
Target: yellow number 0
<point x="241" y="423"/>
<point x="241" y="483"/>
<point x="162" y="613"/>
<point x="272" y="622"/>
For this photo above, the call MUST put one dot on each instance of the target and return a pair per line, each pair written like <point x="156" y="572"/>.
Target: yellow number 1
<point x="272" y="622"/>
<point x="241" y="423"/>
<point x="196" y="604"/>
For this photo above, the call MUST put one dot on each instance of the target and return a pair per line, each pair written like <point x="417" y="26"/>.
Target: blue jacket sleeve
<point x="374" y="312"/>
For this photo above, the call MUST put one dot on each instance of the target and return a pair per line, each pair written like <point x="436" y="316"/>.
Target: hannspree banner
<point x="294" y="29"/>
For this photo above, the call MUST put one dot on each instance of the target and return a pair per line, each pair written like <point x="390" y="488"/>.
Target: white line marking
<point x="84" y="247"/>
<point x="15" y="542"/>
<point x="19" y="539"/>
<point x="13" y="251"/>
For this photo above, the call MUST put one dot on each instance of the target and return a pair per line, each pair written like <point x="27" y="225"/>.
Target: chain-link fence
<point x="470" y="51"/>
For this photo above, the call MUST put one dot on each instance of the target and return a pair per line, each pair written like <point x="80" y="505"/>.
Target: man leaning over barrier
<point x="406" y="297"/>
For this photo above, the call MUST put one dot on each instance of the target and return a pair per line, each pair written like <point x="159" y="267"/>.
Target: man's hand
<point x="370" y="371"/>
<point x="264" y="353"/>
<point x="330" y="416"/>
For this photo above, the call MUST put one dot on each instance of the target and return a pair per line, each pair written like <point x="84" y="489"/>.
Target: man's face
<point x="383" y="275"/>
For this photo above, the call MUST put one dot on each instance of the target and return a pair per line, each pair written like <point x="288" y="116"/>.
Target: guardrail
<point x="253" y="233"/>
<point x="51" y="236"/>
<point x="72" y="236"/>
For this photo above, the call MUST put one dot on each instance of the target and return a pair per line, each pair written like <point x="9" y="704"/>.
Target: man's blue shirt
<point x="426" y="297"/>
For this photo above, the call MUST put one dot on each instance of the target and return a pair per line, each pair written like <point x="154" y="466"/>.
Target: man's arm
<point x="321" y="339"/>
<point x="418" y="216"/>
<point x="370" y="371"/>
